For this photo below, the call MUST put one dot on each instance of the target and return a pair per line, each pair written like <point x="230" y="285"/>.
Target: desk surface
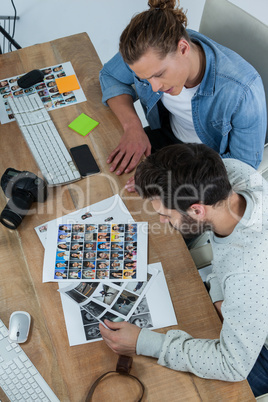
<point x="70" y="370"/>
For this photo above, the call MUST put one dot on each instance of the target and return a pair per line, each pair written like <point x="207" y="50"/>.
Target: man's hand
<point x="123" y="337"/>
<point x="130" y="185"/>
<point x="126" y="156"/>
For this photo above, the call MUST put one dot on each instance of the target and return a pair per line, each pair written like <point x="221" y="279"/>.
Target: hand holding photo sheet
<point x="86" y="245"/>
<point x="145" y="304"/>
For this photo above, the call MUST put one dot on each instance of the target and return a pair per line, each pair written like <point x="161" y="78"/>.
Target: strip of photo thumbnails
<point x="96" y="251"/>
<point x="113" y="301"/>
<point x="46" y="89"/>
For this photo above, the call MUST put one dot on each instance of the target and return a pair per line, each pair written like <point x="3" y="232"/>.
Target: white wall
<point x="103" y="20"/>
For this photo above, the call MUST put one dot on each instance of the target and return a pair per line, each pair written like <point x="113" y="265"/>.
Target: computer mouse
<point x="31" y="78"/>
<point x="19" y="326"/>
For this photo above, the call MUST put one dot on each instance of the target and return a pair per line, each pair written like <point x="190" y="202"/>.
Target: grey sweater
<point x="240" y="278"/>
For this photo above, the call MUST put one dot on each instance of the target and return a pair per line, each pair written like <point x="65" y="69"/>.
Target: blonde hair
<point x="160" y="28"/>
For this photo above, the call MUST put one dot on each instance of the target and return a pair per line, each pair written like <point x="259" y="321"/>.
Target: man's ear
<point x="197" y="212"/>
<point x="183" y="46"/>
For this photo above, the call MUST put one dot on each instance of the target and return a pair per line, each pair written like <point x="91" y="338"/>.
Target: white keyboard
<point x="44" y="141"/>
<point x="19" y="378"/>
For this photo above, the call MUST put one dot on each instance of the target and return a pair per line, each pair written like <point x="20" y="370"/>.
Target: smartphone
<point x="84" y="160"/>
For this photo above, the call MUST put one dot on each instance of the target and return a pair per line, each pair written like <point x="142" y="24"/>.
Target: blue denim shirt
<point x="229" y="108"/>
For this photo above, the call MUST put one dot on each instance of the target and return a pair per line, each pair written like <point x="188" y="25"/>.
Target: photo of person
<point x="131" y="228"/>
<point x="136" y="287"/>
<point x="106" y="295"/>
<point x="75" y="265"/>
<point x="131" y="273"/>
<point x="117" y="246"/>
<point x="130" y="255"/>
<point x="118" y="228"/>
<point x="66" y="237"/>
<point x="117" y="255"/>
<point x="92" y="332"/>
<point x="116" y="265"/>
<point x="103" y="228"/>
<point x="78" y="228"/>
<point x="116" y="274"/>
<point x="117" y="237"/>
<point x="60" y="274"/>
<point x="90" y="246"/>
<point x="87" y="318"/>
<point x="131" y="246"/>
<point x="125" y="302"/>
<point x="65" y="228"/>
<point x="88" y="274"/>
<point x="74" y="274"/>
<point x="142" y="321"/>
<point x="89" y="264"/>
<point x="42" y="228"/>
<point x="76" y="256"/>
<point x="63" y="246"/>
<point x="101" y="255"/>
<point x="104" y="236"/>
<point x="130" y="236"/>
<point x="61" y="264"/>
<point x="77" y="246"/>
<point x="62" y="256"/>
<point x="130" y="264"/>
<point x="103" y="246"/>
<point x="94" y="308"/>
<point x="91" y="228"/>
<point x="86" y="215"/>
<point x="101" y="274"/>
<point x="103" y="265"/>
<point x="142" y="307"/>
<point x="89" y="255"/>
<point x="77" y="236"/>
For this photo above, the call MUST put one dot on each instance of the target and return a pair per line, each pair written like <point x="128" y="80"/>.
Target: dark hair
<point x="182" y="175"/>
<point x="160" y="28"/>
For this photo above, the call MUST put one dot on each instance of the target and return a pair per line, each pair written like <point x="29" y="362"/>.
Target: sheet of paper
<point x="84" y="246"/>
<point x="47" y="90"/>
<point x="152" y="310"/>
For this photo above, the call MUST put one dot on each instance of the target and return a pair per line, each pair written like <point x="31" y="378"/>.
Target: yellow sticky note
<point x="67" y="84"/>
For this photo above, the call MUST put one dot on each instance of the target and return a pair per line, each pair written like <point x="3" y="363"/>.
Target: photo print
<point x="47" y="90"/>
<point x="100" y="252"/>
<point x="116" y="302"/>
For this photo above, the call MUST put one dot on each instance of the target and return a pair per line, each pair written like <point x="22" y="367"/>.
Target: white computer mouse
<point x="19" y="326"/>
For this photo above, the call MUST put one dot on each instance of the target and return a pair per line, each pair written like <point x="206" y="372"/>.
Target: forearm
<point x="123" y="107"/>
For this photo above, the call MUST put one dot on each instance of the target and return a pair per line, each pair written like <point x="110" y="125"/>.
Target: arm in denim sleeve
<point x="116" y="78"/>
<point x="249" y="125"/>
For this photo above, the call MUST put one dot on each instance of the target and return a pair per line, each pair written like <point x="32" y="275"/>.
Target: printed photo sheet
<point x="47" y="90"/>
<point x="108" y="210"/>
<point x="145" y="304"/>
<point x="87" y="246"/>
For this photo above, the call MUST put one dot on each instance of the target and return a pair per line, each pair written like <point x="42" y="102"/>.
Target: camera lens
<point x="15" y="210"/>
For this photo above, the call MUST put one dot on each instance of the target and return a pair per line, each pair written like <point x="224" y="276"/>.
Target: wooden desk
<point x="70" y="370"/>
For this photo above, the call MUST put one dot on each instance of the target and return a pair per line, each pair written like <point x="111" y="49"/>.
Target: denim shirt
<point x="228" y="109"/>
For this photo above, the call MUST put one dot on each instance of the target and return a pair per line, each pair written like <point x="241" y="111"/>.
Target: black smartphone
<point x="84" y="160"/>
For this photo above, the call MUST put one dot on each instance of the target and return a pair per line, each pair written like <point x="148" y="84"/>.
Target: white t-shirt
<point x="181" y="120"/>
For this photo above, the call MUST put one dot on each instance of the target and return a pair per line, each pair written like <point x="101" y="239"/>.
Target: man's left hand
<point x="123" y="337"/>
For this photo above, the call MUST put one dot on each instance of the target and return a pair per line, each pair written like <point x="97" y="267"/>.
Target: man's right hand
<point x="132" y="146"/>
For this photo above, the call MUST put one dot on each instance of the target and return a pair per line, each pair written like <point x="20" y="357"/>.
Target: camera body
<point x="22" y="188"/>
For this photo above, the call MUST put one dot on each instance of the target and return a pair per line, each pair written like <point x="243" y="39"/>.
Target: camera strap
<point x="123" y="367"/>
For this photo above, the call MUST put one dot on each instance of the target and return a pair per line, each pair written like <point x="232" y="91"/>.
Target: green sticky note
<point x="83" y="124"/>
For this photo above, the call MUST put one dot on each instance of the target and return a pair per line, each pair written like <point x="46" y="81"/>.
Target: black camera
<point x="22" y="189"/>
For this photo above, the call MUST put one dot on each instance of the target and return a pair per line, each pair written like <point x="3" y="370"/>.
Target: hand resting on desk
<point x="123" y="337"/>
